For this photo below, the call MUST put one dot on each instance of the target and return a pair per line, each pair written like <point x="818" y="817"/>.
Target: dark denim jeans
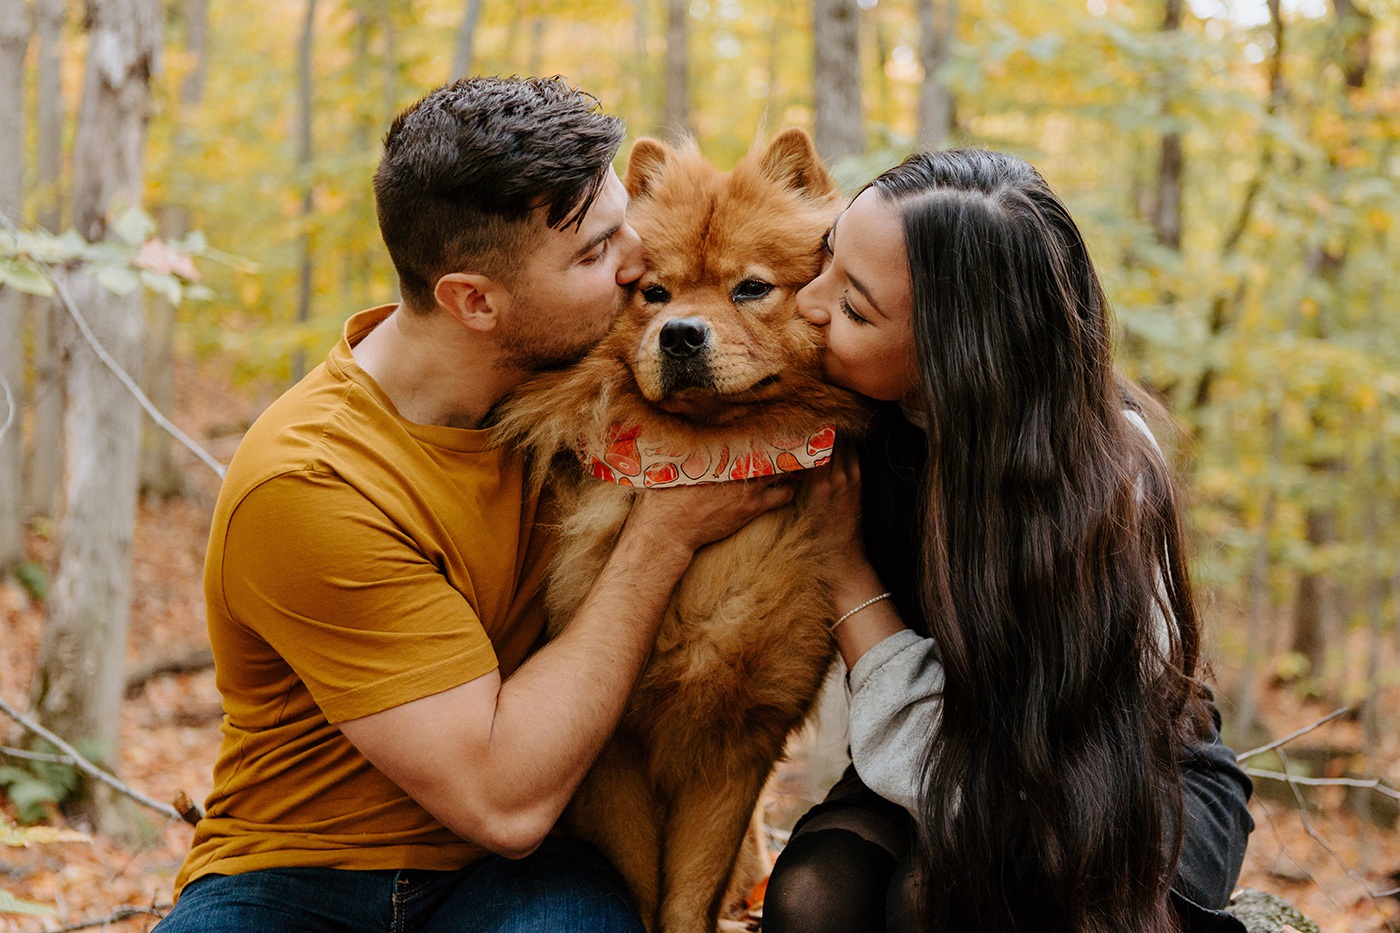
<point x="563" y="887"/>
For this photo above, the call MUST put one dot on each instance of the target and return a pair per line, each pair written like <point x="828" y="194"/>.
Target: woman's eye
<point x="850" y="312"/>
<point x="751" y="290"/>
<point x="826" y="244"/>
<point x="656" y="294"/>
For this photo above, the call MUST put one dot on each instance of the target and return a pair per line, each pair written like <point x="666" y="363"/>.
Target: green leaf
<point x="24" y="277"/>
<point x="134" y="226"/>
<point x="9" y="904"/>
<point x="119" y="280"/>
<point x="34" y="578"/>
<point x="167" y="286"/>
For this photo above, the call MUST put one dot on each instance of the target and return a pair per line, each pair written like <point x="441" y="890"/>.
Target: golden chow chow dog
<point x="709" y="374"/>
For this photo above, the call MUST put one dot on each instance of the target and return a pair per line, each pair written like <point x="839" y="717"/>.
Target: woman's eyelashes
<point x="850" y="312"/>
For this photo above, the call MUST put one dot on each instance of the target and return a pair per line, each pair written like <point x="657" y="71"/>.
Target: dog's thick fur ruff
<point x="744" y="645"/>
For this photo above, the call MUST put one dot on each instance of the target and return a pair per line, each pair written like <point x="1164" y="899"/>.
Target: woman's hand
<point x="833" y="491"/>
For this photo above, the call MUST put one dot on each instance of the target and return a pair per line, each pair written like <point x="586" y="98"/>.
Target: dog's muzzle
<point x="685" y="350"/>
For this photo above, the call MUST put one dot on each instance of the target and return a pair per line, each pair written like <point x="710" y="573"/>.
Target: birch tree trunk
<point x="80" y="674"/>
<point x="308" y="196"/>
<point x="160" y="474"/>
<point x="14" y="41"/>
<point x="677" y="114"/>
<point x="937" y="26"/>
<point x="46" y="314"/>
<point x="836" y="79"/>
<point x="462" y="62"/>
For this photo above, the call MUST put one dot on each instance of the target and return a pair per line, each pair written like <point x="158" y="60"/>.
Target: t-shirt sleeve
<point x="361" y="614"/>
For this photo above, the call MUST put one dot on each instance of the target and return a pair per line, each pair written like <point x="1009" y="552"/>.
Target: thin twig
<point x="165" y="423"/>
<point x="1284" y="850"/>
<point x="9" y="409"/>
<point x="121" y="913"/>
<point x="1372" y="783"/>
<point x="33" y="756"/>
<point x="1293" y="735"/>
<point x="85" y="766"/>
<point x="1307" y="825"/>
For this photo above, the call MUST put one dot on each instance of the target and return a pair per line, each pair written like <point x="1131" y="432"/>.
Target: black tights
<point x="846" y="869"/>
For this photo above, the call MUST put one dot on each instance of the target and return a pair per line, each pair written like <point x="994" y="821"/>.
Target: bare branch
<point x="1292" y="735"/>
<point x="9" y="409"/>
<point x="85" y="766"/>
<point x="165" y="423"/>
<point x="1307" y="825"/>
<point x="33" y="756"/>
<point x="196" y="659"/>
<point x="1373" y="783"/>
<point x="121" y="913"/>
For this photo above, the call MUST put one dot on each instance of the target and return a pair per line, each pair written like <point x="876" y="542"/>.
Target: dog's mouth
<point x="706" y="402"/>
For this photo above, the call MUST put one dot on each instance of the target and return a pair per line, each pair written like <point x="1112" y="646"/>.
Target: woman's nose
<point x="810" y="307"/>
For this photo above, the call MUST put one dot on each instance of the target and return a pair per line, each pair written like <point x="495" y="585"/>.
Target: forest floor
<point x="1322" y="860"/>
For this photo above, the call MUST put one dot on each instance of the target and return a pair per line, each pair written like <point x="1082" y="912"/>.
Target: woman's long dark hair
<point x="1052" y="560"/>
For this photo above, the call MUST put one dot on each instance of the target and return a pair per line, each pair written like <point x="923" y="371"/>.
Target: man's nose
<point x="632" y="263"/>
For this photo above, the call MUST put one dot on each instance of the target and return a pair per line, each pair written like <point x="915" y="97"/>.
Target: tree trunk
<point x="537" y="27"/>
<point x="308" y="196"/>
<point x="160" y="474"/>
<point x="46" y="314"/>
<point x="937" y="27"/>
<point x="1326" y="263"/>
<point x="14" y="41"/>
<point x="80" y="675"/>
<point x="1166" y="212"/>
<point x="836" y="79"/>
<point x="677" y="114"/>
<point x="462" y="62"/>
<point x="389" y="64"/>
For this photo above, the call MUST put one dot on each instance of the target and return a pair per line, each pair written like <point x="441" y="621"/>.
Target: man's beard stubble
<point x="530" y="344"/>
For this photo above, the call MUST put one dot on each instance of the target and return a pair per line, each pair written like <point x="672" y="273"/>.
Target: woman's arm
<point x="895" y="679"/>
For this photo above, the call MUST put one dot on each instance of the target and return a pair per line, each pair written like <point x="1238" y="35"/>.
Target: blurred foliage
<point x="1277" y="347"/>
<point x="22" y="837"/>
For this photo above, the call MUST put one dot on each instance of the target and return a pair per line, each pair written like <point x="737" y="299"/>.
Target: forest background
<point x="1234" y="165"/>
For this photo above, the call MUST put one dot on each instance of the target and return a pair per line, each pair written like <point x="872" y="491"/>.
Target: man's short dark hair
<point x="464" y="169"/>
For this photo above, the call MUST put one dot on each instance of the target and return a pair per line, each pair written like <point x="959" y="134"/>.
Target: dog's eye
<point x="656" y="294"/>
<point x="751" y="290"/>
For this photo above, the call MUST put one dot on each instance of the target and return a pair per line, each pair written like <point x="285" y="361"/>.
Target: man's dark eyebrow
<point x="606" y="234"/>
<point x="831" y="234"/>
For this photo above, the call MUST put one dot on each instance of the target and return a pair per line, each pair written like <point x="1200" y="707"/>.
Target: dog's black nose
<point x="683" y="337"/>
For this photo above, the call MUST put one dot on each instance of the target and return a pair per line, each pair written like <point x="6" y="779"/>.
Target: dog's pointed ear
<point x="645" y="164"/>
<point x="792" y="160"/>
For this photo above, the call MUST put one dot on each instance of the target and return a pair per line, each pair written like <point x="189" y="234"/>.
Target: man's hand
<point x="691" y="517"/>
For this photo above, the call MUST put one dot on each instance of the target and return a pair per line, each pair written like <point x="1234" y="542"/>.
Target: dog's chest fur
<point x="746" y="627"/>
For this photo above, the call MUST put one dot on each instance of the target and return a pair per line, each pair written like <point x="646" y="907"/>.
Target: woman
<point x="1015" y="611"/>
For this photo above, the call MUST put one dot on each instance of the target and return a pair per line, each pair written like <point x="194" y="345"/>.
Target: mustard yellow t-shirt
<point x="357" y="562"/>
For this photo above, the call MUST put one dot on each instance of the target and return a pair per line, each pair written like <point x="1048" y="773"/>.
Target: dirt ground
<point x="1322" y="860"/>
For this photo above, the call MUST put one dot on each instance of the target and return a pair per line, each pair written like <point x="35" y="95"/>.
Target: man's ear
<point x="471" y="299"/>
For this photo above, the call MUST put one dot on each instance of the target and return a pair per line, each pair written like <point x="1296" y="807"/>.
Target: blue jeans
<point x="563" y="887"/>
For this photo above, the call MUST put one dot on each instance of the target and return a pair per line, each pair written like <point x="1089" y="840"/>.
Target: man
<point x="395" y="748"/>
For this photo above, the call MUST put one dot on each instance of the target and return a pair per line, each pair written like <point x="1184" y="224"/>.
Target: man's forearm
<point x="555" y="713"/>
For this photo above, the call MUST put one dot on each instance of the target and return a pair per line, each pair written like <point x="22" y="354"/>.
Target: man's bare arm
<point x="496" y="762"/>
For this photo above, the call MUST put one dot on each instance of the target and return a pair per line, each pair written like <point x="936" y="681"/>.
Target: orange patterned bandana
<point x="629" y="459"/>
